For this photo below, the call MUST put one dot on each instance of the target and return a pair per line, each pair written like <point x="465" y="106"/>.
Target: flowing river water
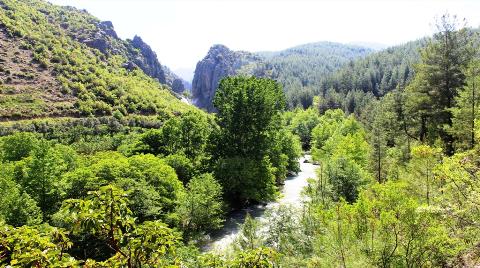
<point x="291" y="195"/>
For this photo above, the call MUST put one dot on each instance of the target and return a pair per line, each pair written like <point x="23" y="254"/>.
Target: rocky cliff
<point x="177" y="84"/>
<point x="139" y="54"/>
<point x="219" y="63"/>
<point x="147" y="60"/>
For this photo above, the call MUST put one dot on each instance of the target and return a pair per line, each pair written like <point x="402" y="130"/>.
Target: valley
<point x="324" y="154"/>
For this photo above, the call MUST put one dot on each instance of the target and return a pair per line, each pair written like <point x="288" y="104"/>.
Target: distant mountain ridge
<point x="296" y="68"/>
<point x="379" y="72"/>
<point x="373" y="45"/>
<point x="310" y="70"/>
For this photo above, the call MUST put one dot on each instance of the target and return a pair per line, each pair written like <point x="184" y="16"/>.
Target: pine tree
<point x="439" y="77"/>
<point x="466" y="110"/>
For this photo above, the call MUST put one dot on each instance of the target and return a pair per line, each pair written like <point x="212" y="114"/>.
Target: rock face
<point x="147" y="60"/>
<point x="177" y="84"/>
<point x="139" y="54"/>
<point x="100" y="39"/>
<point x="107" y="28"/>
<point x="219" y="63"/>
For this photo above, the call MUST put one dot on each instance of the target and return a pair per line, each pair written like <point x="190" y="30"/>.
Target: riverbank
<point x="291" y="194"/>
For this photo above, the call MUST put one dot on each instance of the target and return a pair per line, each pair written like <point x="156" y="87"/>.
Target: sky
<point x="182" y="31"/>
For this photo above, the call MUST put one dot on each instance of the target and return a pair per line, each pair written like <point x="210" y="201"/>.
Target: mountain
<point x="378" y="72"/>
<point x="301" y="69"/>
<point x="295" y="68"/>
<point x="372" y="45"/>
<point x="330" y="70"/>
<point x="63" y="62"/>
<point x="356" y="84"/>
<point x="220" y="62"/>
<point x="176" y="83"/>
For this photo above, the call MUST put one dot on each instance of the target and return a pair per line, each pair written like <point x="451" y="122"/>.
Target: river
<point x="291" y="195"/>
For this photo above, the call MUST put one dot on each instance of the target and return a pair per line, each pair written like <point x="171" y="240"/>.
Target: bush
<point x="17" y="146"/>
<point x="183" y="167"/>
<point x="200" y="208"/>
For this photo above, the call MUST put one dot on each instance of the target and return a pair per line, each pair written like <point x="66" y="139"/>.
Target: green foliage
<point x="340" y="136"/>
<point x="183" y="166"/>
<point x="328" y="124"/>
<point x="249" y="120"/>
<point x="246" y="180"/>
<point x="17" y="146"/>
<point x="260" y="257"/>
<point x="354" y="85"/>
<point x="105" y="214"/>
<point x="346" y="178"/>
<point x="200" y="207"/>
<point x="154" y="185"/>
<point x="301" y="70"/>
<point x="456" y="179"/>
<point x="283" y="233"/>
<point x="379" y="72"/>
<point x="284" y="153"/>
<point x="149" y="142"/>
<point x="17" y="208"/>
<point x="94" y="82"/>
<point x="39" y="175"/>
<point x="339" y="143"/>
<point x="248" y="110"/>
<point x="421" y="168"/>
<point x="301" y="123"/>
<point x="154" y="245"/>
<point x="120" y="208"/>
<point x="406" y="234"/>
<point x="34" y="247"/>
<point x="249" y="235"/>
<point x="439" y="78"/>
<point x="387" y="126"/>
<point x="466" y="109"/>
<point x="36" y="165"/>
<point x="187" y="134"/>
<point x="426" y="217"/>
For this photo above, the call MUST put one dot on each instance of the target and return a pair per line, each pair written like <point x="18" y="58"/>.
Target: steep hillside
<point x="296" y="68"/>
<point x="378" y="72"/>
<point x="356" y="84"/>
<point x="301" y="69"/>
<point x="63" y="62"/>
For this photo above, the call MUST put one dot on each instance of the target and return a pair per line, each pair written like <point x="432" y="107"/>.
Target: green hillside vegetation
<point x="102" y="167"/>
<point x="343" y="76"/>
<point x="396" y="188"/>
<point x="48" y="73"/>
<point x="116" y="192"/>
<point x="362" y="80"/>
<point x="301" y="69"/>
<point x="378" y="72"/>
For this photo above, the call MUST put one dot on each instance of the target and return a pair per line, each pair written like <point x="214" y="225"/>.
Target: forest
<point x="151" y="198"/>
<point x="126" y="175"/>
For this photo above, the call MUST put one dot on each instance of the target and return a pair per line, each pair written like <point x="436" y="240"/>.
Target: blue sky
<point x="181" y="31"/>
